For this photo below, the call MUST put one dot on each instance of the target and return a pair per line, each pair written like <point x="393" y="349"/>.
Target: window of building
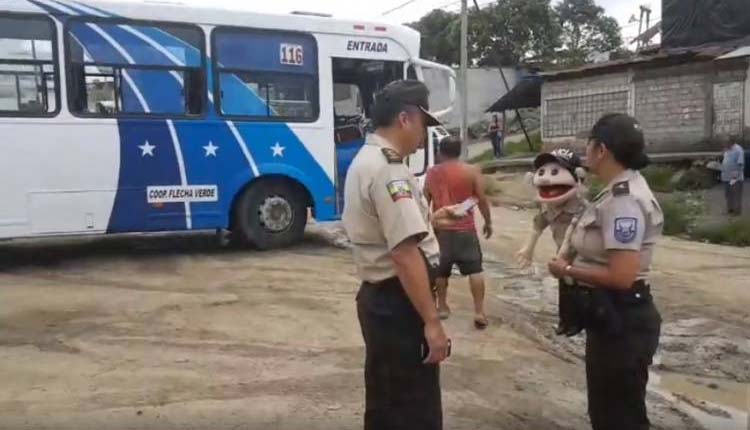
<point x="266" y="75"/>
<point x="569" y="116"/>
<point x="133" y="69"/>
<point x="28" y="71"/>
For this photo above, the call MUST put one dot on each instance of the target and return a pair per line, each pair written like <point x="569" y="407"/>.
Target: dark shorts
<point x="459" y="248"/>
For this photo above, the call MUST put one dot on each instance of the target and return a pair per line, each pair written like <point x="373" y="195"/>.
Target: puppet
<point x="558" y="179"/>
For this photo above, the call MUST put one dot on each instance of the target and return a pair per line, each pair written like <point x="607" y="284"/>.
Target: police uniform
<point x="622" y="326"/>
<point x="383" y="207"/>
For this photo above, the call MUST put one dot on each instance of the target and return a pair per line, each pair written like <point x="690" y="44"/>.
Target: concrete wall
<point x="485" y="87"/>
<point x="681" y="108"/>
<point x="673" y="105"/>
<point x="570" y="107"/>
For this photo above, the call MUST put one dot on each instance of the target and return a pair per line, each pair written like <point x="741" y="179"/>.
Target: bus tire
<point x="271" y="214"/>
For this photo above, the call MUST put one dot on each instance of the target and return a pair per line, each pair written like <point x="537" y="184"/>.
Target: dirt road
<point x="177" y="332"/>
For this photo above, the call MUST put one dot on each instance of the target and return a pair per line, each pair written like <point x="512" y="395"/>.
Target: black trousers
<point x="400" y="391"/>
<point x="617" y="368"/>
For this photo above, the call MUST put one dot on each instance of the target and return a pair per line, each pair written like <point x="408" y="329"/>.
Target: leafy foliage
<point x="509" y="32"/>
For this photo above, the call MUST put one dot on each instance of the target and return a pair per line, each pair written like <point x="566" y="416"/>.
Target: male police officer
<point x="386" y="219"/>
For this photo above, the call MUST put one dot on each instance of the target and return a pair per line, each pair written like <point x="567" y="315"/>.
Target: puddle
<point x="715" y="403"/>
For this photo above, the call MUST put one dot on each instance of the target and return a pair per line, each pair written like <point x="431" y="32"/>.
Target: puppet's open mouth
<point x="552" y="191"/>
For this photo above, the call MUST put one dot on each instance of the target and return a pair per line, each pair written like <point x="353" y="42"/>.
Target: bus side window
<point x="265" y="75"/>
<point x="136" y="78"/>
<point x="28" y="70"/>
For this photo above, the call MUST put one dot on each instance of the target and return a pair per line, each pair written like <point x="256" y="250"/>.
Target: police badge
<point x="626" y="229"/>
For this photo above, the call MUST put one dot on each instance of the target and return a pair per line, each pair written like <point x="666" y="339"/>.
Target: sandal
<point x="481" y="323"/>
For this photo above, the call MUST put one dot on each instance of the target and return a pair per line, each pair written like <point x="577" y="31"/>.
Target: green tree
<point x="509" y="32"/>
<point x="585" y="29"/>
<point x="441" y="33"/>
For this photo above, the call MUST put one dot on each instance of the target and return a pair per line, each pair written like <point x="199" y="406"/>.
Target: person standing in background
<point x="733" y="176"/>
<point x="451" y="183"/>
<point x="495" y="130"/>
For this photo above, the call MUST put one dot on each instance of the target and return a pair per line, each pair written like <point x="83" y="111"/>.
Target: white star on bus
<point x="211" y="149"/>
<point x="278" y="150"/>
<point x="147" y="149"/>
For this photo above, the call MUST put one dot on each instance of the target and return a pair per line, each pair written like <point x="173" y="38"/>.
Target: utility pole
<point x="464" y="88"/>
<point x="645" y="13"/>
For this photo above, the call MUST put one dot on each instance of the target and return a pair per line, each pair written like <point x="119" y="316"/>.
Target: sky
<point x="622" y="10"/>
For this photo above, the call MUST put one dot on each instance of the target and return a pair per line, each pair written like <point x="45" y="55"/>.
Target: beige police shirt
<point x="624" y="216"/>
<point x="558" y="218"/>
<point x="383" y="206"/>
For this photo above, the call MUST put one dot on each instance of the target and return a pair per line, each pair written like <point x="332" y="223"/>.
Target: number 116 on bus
<point x="292" y="55"/>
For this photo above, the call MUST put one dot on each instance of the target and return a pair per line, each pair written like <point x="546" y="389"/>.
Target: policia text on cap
<point x="395" y="250"/>
<point x="613" y="244"/>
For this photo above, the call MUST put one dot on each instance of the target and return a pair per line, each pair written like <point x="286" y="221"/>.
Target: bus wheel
<point x="271" y="214"/>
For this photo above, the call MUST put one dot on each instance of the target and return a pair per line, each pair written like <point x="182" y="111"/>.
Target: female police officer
<point x="613" y="243"/>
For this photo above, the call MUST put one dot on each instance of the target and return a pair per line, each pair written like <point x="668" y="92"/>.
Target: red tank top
<point x="450" y="183"/>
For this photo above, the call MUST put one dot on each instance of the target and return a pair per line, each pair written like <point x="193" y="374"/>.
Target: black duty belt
<point x="639" y="292"/>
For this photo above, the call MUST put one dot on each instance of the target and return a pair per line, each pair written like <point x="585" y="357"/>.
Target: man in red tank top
<point x="450" y="183"/>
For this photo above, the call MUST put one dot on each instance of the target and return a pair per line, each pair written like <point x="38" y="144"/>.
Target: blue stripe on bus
<point x="68" y="6"/>
<point x="142" y="52"/>
<point x="94" y="8"/>
<point x="49" y="9"/>
<point x="238" y="99"/>
<point x="229" y="169"/>
<point x="100" y="49"/>
<point x="190" y="55"/>
<point x="131" y="211"/>
<point x="161" y="90"/>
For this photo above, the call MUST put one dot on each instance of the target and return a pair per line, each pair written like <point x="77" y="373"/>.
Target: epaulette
<point x="621" y="189"/>
<point x="392" y="156"/>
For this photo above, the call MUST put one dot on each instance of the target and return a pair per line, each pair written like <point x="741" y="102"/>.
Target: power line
<point x="401" y="6"/>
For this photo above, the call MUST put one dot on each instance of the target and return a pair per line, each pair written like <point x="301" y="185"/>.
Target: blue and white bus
<point x="142" y="117"/>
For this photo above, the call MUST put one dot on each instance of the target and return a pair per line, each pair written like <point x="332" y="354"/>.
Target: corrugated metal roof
<point x="737" y="53"/>
<point x="698" y="53"/>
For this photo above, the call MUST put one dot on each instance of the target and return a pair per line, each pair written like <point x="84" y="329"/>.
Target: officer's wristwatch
<point x="567" y="269"/>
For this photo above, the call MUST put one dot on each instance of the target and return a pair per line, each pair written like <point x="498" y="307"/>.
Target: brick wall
<point x="571" y="106"/>
<point x="673" y="106"/>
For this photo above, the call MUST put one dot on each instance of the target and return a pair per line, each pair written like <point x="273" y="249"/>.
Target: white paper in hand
<point x="464" y="207"/>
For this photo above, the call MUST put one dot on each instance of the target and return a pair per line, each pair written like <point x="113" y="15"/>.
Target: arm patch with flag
<point x="399" y="189"/>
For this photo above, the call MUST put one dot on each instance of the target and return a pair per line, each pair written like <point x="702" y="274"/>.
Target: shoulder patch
<point x="392" y="156"/>
<point x="399" y="189"/>
<point x="621" y="189"/>
<point x="626" y="229"/>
